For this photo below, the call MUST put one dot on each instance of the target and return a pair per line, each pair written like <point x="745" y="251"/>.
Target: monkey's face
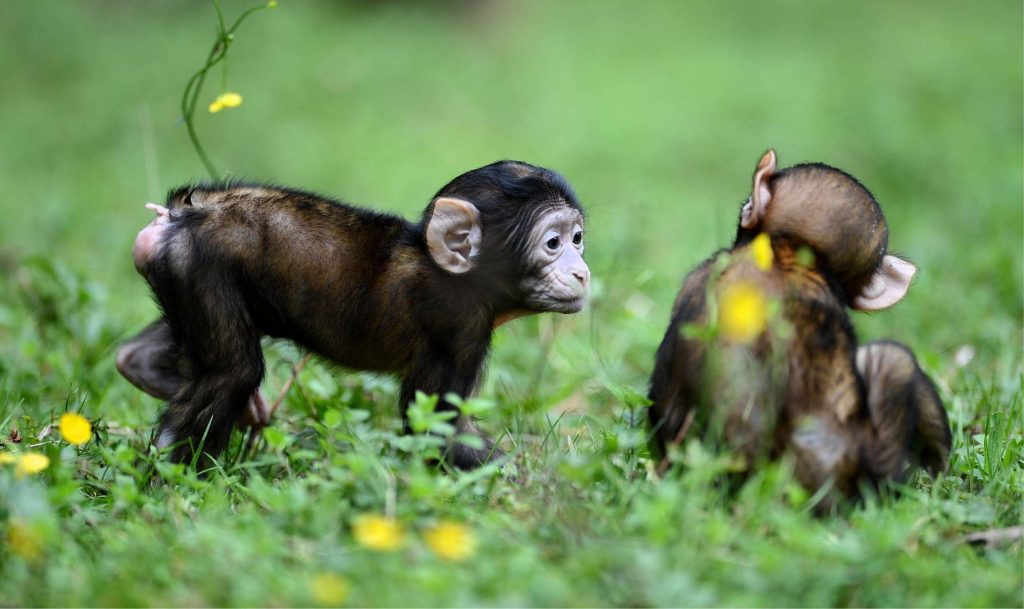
<point x="516" y="232"/>
<point x="556" y="278"/>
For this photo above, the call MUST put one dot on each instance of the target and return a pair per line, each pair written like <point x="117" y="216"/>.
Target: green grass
<point x="657" y="112"/>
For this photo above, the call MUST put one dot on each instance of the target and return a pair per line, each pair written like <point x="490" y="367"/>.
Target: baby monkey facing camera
<point x="761" y="357"/>
<point x="229" y="264"/>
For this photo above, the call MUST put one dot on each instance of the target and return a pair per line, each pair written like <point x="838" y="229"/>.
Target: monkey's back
<point x="823" y="413"/>
<point x="791" y="389"/>
<point x="303" y="261"/>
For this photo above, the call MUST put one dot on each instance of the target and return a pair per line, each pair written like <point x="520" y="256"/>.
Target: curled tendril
<point x="218" y="53"/>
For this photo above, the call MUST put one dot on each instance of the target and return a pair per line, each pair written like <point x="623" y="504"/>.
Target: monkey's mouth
<point x="572" y="304"/>
<point x="565" y="302"/>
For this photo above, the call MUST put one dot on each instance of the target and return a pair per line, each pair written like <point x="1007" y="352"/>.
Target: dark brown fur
<point x="356" y="287"/>
<point x="847" y="415"/>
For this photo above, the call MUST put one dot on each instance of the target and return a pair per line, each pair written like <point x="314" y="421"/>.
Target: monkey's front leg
<point x="907" y="416"/>
<point x="434" y="375"/>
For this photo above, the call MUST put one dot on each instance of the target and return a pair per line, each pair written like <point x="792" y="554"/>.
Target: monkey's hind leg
<point x="151" y="361"/>
<point x="909" y="421"/>
<point x="222" y="346"/>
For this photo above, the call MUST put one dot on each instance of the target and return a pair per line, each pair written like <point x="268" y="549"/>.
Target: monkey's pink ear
<point x="753" y="212"/>
<point x="454" y="235"/>
<point x="888" y="285"/>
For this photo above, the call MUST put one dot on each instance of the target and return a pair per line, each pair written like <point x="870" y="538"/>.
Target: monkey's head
<point x="516" y="231"/>
<point x="835" y="215"/>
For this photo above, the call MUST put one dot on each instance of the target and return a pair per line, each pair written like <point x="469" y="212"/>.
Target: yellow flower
<point x="742" y="312"/>
<point x="75" y="428"/>
<point x="23" y="539"/>
<point x="7" y="458"/>
<point x="271" y="3"/>
<point x="32" y="463"/>
<point x="329" y="589"/>
<point x="378" y="532"/>
<point x="225" y="100"/>
<point x="761" y="248"/>
<point x="451" y="540"/>
<point x="230" y="100"/>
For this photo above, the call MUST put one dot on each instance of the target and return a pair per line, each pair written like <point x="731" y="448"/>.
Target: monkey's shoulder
<point x="691" y="300"/>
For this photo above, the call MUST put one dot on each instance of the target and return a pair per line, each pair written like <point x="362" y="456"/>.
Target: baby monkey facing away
<point x="369" y="291"/>
<point x="761" y="357"/>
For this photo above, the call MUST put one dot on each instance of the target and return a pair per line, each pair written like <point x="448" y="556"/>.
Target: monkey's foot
<point x="257" y="413"/>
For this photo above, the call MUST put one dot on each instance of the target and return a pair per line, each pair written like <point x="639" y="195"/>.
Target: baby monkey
<point x="229" y="264"/>
<point x="760" y="354"/>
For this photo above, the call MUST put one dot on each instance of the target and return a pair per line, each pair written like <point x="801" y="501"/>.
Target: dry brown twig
<point x="296" y="369"/>
<point x="994" y="537"/>
<point x="254" y="431"/>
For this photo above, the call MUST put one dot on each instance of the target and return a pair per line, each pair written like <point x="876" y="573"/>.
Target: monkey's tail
<point x="181" y="198"/>
<point x="160" y="210"/>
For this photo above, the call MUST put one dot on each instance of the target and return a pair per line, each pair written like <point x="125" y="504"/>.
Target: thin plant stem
<point x="190" y="96"/>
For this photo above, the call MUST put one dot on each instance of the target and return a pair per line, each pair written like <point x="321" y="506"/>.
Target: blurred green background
<point x="656" y="112"/>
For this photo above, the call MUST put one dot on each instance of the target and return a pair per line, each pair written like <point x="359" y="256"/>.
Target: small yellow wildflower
<point x="23" y="539"/>
<point x="225" y="100"/>
<point x="230" y="100"/>
<point x="742" y="312"/>
<point x="75" y="428"/>
<point x="7" y="458"/>
<point x="271" y="3"/>
<point x="329" y="589"/>
<point x="451" y="540"/>
<point x="32" y="463"/>
<point x="378" y="532"/>
<point x="761" y="248"/>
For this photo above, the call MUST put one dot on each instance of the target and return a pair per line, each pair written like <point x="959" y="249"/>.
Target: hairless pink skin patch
<point x="149" y="236"/>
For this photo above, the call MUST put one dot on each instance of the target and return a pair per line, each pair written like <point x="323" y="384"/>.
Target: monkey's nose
<point x="582" y="275"/>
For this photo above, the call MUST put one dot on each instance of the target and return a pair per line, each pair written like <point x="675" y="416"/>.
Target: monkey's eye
<point x="554" y="242"/>
<point x="577" y="238"/>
